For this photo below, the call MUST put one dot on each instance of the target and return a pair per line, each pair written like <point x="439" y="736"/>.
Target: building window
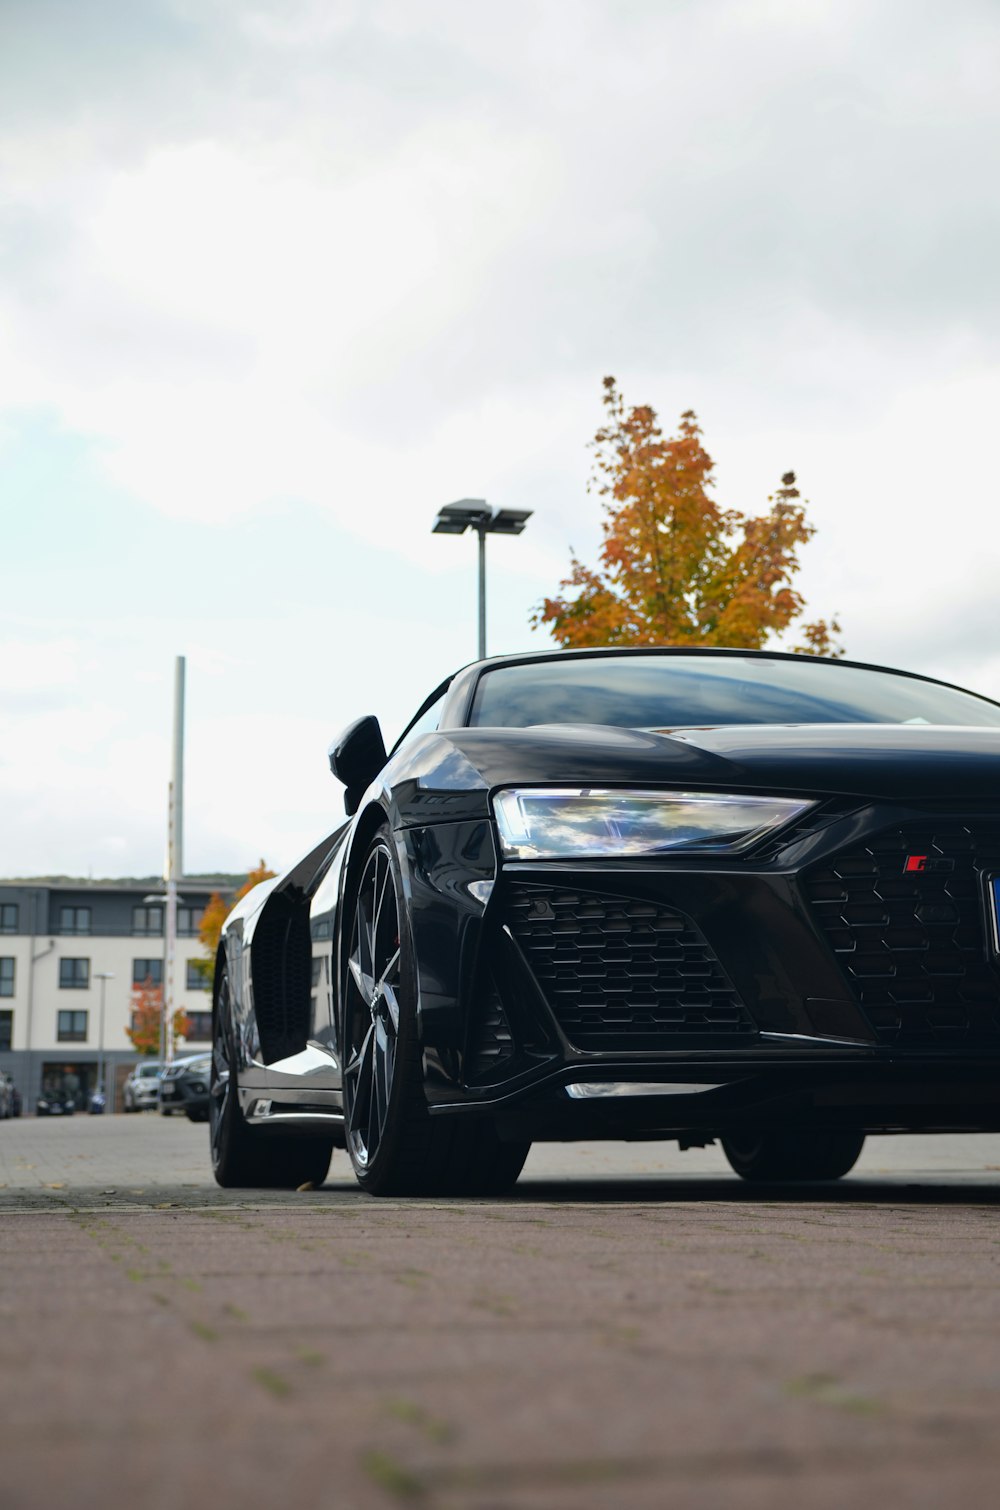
<point x="7" y="968"/>
<point x="8" y="917"/>
<point x="147" y="972"/>
<point x="6" y="1031"/>
<point x="196" y="981"/>
<point x="72" y="1027"/>
<point x="74" y="920"/>
<point x="147" y="920"/>
<point x="189" y="921"/>
<point x="74" y="974"/>
<point x="199" y="1027"/>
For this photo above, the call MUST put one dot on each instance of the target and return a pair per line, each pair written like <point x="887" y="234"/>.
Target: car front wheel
<point x="395" y="1146"/>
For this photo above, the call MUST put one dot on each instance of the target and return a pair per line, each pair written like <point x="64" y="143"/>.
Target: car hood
<point x="450" y="775"/>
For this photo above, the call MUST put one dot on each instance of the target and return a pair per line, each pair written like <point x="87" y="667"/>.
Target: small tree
<point x="147" y="1011"/>
<point x="676" y="568"/>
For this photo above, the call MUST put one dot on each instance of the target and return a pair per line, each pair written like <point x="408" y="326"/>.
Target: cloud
<point x="278" y="262"/>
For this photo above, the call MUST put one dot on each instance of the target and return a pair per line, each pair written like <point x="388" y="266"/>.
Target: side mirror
<point x="356" y="757"/>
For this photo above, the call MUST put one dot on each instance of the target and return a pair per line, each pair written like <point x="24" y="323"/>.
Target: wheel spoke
<point x="390" y="1062"/>
<point x="361" y="1066"/>
<point x="371" y="1141"/>
<point x="377" y="913"/>
<point x="364" y="983"/>
<point x="362" y="966"/>
<point x="217" y="1111"/>
<point x="378" y="1077"/>
<point x="386" y="1057"/>
<point x="392" y="1002"/>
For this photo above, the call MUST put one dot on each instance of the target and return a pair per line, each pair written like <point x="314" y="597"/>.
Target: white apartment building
<point x="58" y="938"/>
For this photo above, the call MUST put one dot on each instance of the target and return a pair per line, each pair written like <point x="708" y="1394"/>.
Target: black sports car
<point x="626" y="894"/>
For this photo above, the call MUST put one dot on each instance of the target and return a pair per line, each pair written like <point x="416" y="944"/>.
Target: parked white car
<point x="141" y="1091"/>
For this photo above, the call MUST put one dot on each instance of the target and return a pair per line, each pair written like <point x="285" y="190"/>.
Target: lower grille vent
<point x="491" y="1044"/>
<point x="622" y="974"/>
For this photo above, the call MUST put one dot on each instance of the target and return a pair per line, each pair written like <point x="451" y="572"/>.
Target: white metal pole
<point x="170" y="948"/>
<point x="103" y="976"/>
<point x="100" y="1041"/>
<point x="481" y="532"/>
<point x="176" y="867"/>
<point x="175" y="861"/>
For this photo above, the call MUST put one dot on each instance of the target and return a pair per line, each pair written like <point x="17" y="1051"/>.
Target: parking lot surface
<point x="632" y="1327"/>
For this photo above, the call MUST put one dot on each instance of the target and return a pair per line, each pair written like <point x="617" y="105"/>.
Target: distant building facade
<point x="57" y="938"/>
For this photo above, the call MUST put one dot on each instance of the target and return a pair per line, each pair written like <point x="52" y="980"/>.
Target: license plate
<point x="166" y="1090"/>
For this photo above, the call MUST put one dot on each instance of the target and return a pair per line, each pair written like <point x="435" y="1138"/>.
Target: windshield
<point x="146" y="1071"/>
<point x="678" y="691"/>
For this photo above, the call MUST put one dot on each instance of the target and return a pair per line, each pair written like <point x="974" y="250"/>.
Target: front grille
<point x="911" y="942"/>
<point x="622" y="974"/>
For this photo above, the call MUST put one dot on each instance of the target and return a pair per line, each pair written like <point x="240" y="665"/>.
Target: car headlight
<point x="537" y="823"/>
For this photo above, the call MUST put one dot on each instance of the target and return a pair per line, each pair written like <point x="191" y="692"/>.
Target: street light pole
<point x="476" y="514"/>
<point x="481" y="532"/>
<point x="103" y="976"/>
<point x="168" y="902"/>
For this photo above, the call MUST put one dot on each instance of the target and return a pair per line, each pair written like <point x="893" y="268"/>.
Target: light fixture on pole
<point x="103" y="976"/>
<point x="476" y="514"/>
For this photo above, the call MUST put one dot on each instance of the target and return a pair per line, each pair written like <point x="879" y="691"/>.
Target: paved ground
<point x="632" y="1328"/>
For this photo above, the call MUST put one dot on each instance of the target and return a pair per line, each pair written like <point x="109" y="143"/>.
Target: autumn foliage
<point x="675" y="567"/>
<point x="147" y="1009"/>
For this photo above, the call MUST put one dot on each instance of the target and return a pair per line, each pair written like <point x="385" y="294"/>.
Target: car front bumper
<point x="823" y="981"/>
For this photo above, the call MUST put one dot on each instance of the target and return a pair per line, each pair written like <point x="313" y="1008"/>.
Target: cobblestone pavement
<point x="632" y="1328"/>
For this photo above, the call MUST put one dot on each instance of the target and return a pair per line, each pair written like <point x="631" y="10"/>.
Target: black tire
<point x="245" y="1158"/>
<point x="198" y="1115"/>
<point x="779" y="1156"/>
<point x="395" y="1145"/>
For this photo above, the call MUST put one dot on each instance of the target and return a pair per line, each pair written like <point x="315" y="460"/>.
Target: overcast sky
<point x="278" y="279"/>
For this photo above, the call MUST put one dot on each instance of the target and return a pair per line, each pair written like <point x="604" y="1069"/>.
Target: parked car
<point x="184" y="1087"/>
<point x="56" y="1103"/>
<point x="140" y="1093"/>
<point x="682" y="894"/>
<point x="6" y="1096"/>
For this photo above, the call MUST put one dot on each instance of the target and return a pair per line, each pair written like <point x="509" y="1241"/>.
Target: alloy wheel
<point x="220" y="1078"/>
<point x="371" y="1004"/>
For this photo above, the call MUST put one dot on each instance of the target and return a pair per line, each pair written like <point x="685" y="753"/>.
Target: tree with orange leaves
<point x="147" y="1009"/>
<point x="676" y="568"/>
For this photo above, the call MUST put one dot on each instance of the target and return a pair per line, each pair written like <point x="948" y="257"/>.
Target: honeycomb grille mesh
<point x="912" y="942"/>
<point x="622" y="974"/>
